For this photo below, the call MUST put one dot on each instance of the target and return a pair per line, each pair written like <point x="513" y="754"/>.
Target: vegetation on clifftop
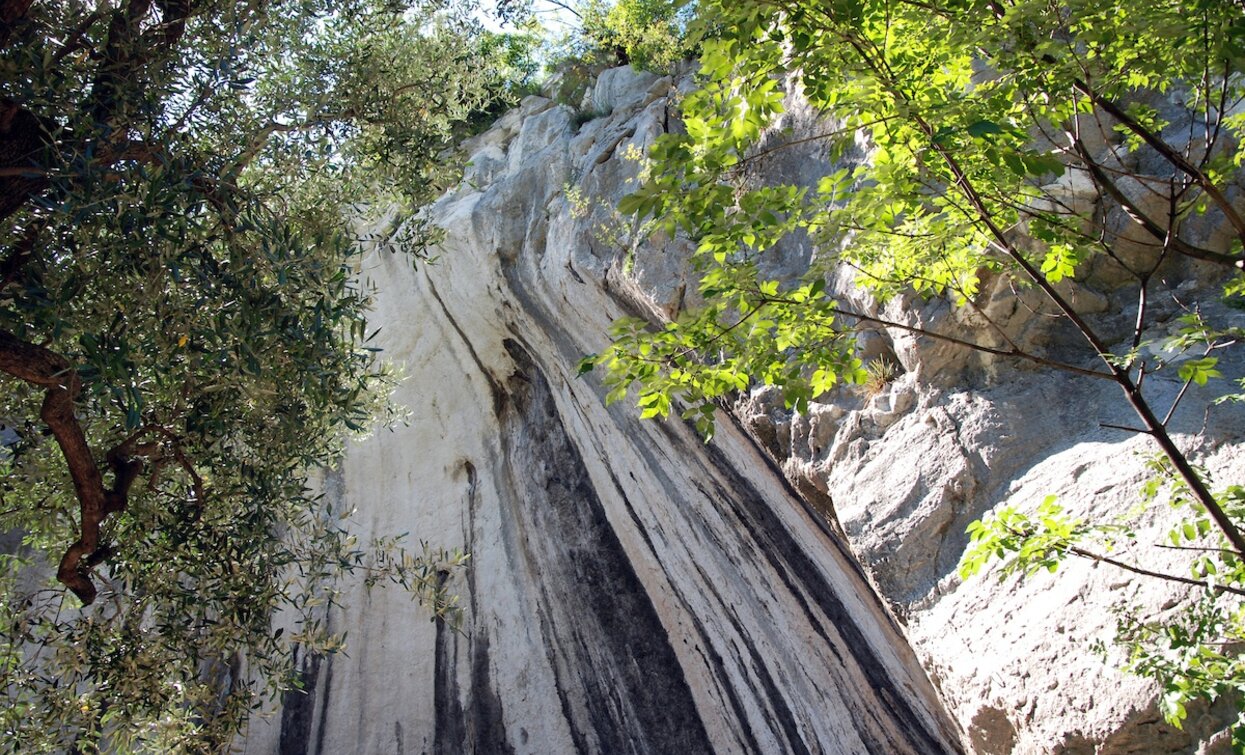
<point x="183" y="336"/>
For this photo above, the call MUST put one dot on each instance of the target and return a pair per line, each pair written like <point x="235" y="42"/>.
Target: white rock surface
<point x="632" y="590"/>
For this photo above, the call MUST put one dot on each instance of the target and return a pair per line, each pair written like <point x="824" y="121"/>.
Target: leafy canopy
<point x="183" y="336"/>
<point x="648" y="34"/>
<point x="1050" y="145"/>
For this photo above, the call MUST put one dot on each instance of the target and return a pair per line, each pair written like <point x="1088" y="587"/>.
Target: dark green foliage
<point x="179" y="286"/>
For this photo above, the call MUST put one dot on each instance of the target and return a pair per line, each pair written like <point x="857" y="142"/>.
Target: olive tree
<point x="183" y="336"/>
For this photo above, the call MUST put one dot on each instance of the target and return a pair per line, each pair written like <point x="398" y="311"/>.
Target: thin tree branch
<point x="1012" y="352"/>
<point x="260" y="138"/>
<point x="805" y="140"/>
<point x="1157" y="575"/>
<point x="1199" y="549"/>
<point x="75" y="40"/>
<point x="196" y="481"/>
<point x="1150" y="226"/>
<point x="1176" y="401"/>
<point x="10" y="171"/>
<point x="1169" y="154"/>
<point x="1125" y="428"/>
<point x="571" y="10"/>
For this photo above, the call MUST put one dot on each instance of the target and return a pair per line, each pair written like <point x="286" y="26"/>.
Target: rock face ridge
<point x="634" y="590"/>
<point x="631" y="590"/>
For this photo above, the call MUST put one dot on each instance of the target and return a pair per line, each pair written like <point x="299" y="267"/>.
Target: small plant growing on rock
<point x="881" y="373"/>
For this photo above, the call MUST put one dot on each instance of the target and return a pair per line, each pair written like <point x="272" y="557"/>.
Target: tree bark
<point x="39" y="366"/>
<point x="28" y="150"/>
<point x="11" y="12"/>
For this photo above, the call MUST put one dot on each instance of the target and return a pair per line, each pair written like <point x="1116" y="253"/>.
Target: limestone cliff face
<point x="632" y="590"/>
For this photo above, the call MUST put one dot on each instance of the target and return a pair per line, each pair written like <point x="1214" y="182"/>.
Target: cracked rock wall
<point x="906" y="463"/>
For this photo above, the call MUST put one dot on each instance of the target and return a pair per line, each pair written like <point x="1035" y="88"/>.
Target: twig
<point x="1200" y="549"/>
<point x="1157" y="575"/>
<point x="1012" y="352"/>
<point x="1149" y="225"/>
<point x="1125" y="428"/>
<point x="1172" y="156"/>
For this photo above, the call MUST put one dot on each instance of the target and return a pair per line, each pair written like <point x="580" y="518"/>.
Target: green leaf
<point x="1199" y="371"/>
<point x="632" y="204"/>
<point x="983" y="128"/>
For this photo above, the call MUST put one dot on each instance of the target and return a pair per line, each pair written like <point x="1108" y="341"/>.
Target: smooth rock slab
<point x="630" y="590"/>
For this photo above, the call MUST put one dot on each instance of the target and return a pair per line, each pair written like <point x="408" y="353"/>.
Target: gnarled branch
<point x="44" y="368"/>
